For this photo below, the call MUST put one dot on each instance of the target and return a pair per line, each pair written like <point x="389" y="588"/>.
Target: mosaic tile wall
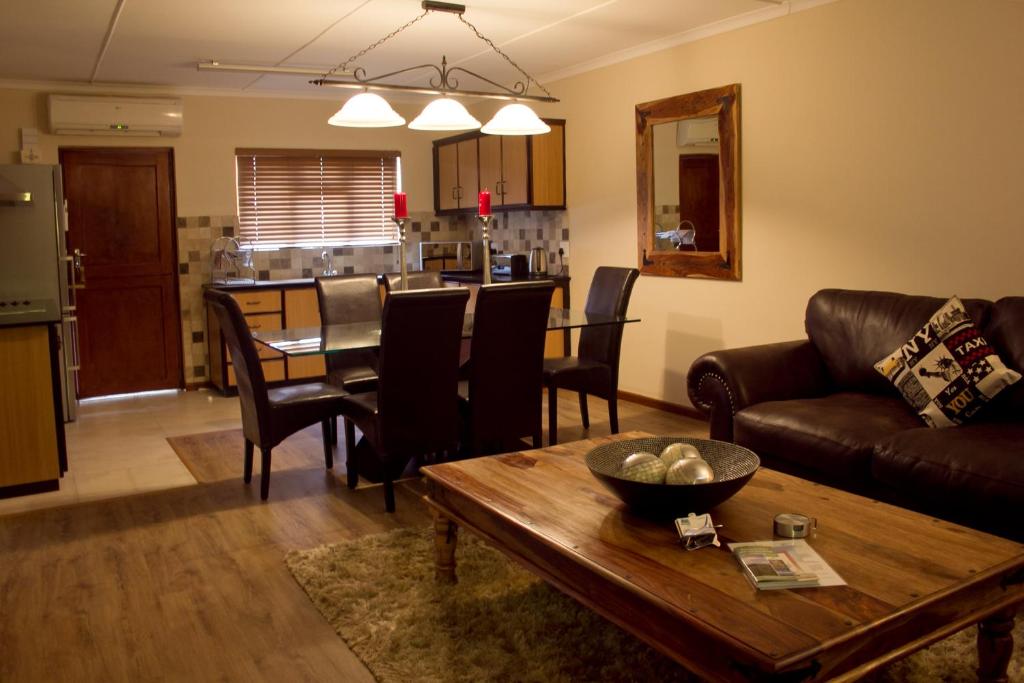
<point x="521" y="231"/>
<point x="197" y="233"/>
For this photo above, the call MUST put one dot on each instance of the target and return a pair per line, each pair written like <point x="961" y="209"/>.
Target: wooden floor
<point x="190" y="584"/>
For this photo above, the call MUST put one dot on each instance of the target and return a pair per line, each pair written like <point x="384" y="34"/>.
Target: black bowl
<point x="733" y="467"/>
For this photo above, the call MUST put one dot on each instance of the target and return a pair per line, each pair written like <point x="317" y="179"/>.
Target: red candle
<point x="401" y="208"/>
<point x="484" y="204"/>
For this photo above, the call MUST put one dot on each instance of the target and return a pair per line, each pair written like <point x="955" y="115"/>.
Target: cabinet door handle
<point x="255" y="326"/>
<point x="253" y="303"/>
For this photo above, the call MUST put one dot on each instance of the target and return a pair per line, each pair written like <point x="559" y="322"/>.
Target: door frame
<point x="175" y="271"/>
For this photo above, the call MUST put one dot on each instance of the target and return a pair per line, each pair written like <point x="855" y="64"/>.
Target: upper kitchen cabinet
<point x="522" y="172"/>
<point x="455" y="175"/>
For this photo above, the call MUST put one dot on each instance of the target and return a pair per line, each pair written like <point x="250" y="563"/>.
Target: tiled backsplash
<point x="518" y="231"/>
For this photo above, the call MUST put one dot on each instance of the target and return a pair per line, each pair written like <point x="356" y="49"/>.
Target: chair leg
<point x="334" y="431"/>
<point x="584" y="413"/>
<point x="248" y="461"/>
<point x="350" y="454"/>
<point x="264" y="473"/>
<point x="552" y="414"/>
<point x="389" y="494"/>
<point x="613" y="411"/>
<point x="325" y="426"/>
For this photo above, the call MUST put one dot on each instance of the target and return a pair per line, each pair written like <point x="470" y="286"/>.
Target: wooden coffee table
<point x="913" y="580"/>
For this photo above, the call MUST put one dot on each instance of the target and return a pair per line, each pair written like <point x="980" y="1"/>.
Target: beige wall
<point x="881" y="146"/>
<point x="215" y="126"/>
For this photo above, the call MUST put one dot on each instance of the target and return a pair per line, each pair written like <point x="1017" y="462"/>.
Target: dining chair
<point x="502" y="394"/>
<point x="349" y="299"/>
<point x="269" y="416"/>
<point x="418" y="279"/>
<point x="414" y="411"/>
<point x="595" y="368"/>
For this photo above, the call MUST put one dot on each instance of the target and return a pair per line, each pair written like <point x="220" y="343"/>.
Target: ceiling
<point x="156" y="42"/>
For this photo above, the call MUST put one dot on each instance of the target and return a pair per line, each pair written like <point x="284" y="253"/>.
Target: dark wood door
<point x="121" y="218"/>
<point x="698" y="197"/>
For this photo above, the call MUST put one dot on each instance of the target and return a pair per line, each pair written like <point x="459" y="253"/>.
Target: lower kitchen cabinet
<point x="267" y="308"/>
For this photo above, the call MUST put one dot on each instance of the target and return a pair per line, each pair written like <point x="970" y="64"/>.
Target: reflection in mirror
<point x="686" y="185"/>
<point x="688" y="176"/>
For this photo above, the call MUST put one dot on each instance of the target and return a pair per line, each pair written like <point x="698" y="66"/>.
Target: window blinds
<point x="313" y="197"/>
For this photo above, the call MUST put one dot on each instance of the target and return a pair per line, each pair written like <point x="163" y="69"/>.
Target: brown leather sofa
<point x="818" y="409"/>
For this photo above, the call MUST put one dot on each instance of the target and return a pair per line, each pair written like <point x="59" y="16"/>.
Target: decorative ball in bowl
<point x="636" y="471"/>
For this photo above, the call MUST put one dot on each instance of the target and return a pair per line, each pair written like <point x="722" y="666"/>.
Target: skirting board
<point x="676" y="408"/>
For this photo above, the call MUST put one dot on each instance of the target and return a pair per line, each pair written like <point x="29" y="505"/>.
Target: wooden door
<point x="698" y="197"/>
<point x="515" y="171"/>
<point x="490" y="167"/>
<point x="469" y="183"/>
<point x="121" y="218"/>
<point x="447" y="176"/>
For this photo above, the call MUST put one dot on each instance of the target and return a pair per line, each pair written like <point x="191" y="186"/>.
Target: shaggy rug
<point x="501" y="623"/>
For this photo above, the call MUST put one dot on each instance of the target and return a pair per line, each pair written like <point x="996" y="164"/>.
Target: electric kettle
<point x="538" y="261"/>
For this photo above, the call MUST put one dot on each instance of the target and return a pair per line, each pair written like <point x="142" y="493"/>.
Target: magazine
<point x="775" y="565"/>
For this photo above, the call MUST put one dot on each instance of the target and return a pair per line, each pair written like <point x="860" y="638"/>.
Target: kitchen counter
<point x="476" y="277"/>
<point x="244" y="285"/>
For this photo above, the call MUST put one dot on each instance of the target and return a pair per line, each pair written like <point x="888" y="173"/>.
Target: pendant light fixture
<point x="515" y="119"/>
<point x="366" y="110"/>
<point x="443" y="113"/>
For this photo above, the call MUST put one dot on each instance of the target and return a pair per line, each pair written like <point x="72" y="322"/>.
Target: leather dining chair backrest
<point x="252" y="387"/>
<point x="418" y="369"/>
<point x="349" y="299"/>
<point x="507" y="360"/>
<point x="609" y="295"/>
<point x="419" y="279"/>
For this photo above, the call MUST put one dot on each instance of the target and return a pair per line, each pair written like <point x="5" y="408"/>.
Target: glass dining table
<point x="327" y="339"/>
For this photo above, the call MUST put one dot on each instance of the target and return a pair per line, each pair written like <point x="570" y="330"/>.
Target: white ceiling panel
<point x="159" y="42"/>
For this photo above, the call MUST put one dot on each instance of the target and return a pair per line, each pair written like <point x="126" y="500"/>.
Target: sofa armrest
<point x="721" y="383"/>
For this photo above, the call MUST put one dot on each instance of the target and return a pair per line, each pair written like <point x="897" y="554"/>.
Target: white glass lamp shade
<point x="515" y="119"/>
<point x="444" y="114"/>
<point x="366" y="110"/>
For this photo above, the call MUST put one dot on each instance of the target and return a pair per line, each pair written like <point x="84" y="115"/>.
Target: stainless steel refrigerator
<point x="37" y="276"/>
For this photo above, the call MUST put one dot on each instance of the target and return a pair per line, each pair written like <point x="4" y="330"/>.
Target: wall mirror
<point x="688" y="177"/>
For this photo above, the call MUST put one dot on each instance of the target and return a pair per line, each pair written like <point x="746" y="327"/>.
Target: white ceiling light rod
<point x="257" y="69"/>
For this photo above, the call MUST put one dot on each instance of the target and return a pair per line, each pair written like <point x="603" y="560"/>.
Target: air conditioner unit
<point x="697" y="132"/>
<point x="101" y="115"/>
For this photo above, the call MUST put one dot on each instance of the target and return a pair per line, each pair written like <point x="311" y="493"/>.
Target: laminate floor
<point x="188" y="583"/>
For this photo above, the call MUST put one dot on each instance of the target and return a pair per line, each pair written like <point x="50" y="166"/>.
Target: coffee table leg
<point x="445" y="539"/>
<point x="995" y="645"/>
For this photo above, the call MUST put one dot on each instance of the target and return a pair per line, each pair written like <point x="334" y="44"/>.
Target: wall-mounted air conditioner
<point x="697" y="132"/>
<point x="102" y="115"/>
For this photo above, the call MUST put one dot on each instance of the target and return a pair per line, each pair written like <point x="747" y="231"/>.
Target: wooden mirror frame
<point x="725" y="263"/>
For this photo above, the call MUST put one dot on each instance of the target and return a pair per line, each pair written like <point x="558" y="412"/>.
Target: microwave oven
<point x="451" y="255"/>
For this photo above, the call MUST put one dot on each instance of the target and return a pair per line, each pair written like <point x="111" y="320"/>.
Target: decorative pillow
<point x="947" y="371"/>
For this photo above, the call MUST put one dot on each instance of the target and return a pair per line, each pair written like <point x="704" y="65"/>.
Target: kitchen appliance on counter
<point x="538" y="261"/>
<point x="231" y="261"/>
<point x="513" y="265"/>
<point x="36" y="273"/>
<point x="451" y="255"/>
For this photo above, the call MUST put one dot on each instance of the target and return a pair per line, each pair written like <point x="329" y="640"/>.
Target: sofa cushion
<point x="947" y="371"/>
<point x="834" y="435"/>
<point x="853" y="329"/>
<point x="973" y="468"/>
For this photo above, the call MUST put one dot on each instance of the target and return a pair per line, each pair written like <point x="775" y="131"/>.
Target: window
<point x="295" y="197"/>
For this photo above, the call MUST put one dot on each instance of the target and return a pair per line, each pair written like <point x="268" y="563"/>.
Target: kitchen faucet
<point x="327" y="259"/>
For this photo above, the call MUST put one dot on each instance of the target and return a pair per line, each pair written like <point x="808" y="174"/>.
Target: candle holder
<point x="485" y="221"/>
<point x="400" y="222"/>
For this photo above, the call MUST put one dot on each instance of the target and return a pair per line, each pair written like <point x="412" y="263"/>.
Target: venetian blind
<point x="313" y="198"/>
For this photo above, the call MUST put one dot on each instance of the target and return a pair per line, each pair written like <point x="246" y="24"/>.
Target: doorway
<point x="121" y="226"/>
<point x="698" y="198"/>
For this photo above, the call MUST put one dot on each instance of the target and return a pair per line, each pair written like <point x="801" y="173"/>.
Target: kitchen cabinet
<point x="31" y="426"/>
<point x="455" y="175"/>
<point x="503" y="163"/>
<point x="522" y="172"/>
<point x="267" y="308"/>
